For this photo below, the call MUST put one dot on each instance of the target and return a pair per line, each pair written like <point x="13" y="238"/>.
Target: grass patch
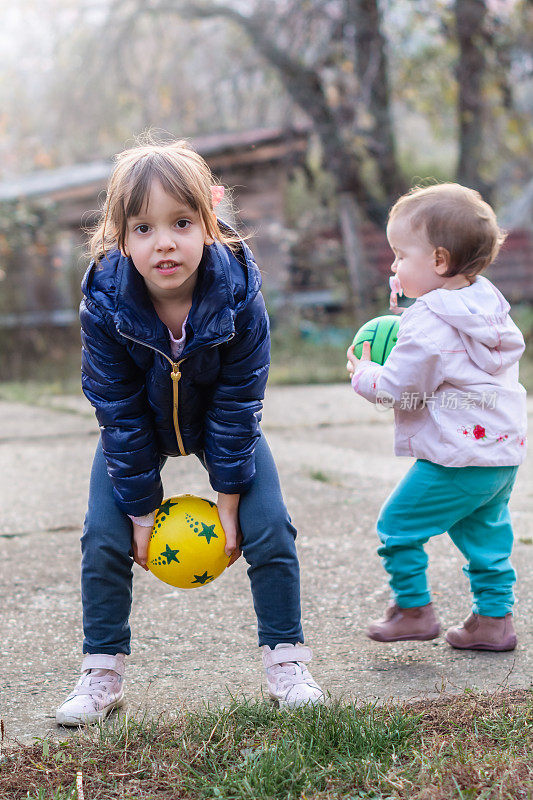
<point x="297" y="360"/>
<point x="319" y="475"/>
<point x="464" y="747"/>
<point x="526" y="369"/>
<point x="37" y="392"/>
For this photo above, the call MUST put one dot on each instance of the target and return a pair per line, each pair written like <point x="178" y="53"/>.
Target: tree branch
<point x="301" y="83"/>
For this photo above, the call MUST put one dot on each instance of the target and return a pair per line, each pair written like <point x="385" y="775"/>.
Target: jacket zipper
<point x="175" y="375"/>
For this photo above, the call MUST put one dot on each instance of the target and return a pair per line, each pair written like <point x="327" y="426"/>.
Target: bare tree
<point x="373" y="78"/>
<point x="342" y="86"/>
<point x="472" y="38"/>
<point x="331" y="58"/>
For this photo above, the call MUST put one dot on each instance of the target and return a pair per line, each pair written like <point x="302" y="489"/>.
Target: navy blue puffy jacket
<point x="127" y="368"/>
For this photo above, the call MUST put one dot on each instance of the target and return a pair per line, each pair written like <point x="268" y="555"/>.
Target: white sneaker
<point x="99" y="690"/>
<point x="289" y="681"/>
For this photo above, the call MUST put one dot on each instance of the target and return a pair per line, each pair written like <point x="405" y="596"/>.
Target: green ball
<point x="382" y="333"/>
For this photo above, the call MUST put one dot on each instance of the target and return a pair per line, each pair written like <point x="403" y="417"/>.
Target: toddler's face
<point x="166" y="242"/>
<point x="415" y="259"/>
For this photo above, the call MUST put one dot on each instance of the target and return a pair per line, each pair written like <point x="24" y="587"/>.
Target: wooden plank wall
<point x="512" y="272"/>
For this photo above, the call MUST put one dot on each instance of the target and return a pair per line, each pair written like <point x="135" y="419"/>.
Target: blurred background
<point x="317" y="115"/>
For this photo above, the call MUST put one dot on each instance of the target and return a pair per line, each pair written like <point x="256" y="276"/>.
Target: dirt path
<point x="334" y="454"/>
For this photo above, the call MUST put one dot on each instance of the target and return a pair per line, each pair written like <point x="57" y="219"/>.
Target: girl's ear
<point x="442" y="260"/>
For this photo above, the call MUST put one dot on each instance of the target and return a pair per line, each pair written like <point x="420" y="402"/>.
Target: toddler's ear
<point x="442" y="260"/>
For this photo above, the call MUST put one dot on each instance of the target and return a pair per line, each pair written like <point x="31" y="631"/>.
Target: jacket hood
<point x="480" y="314"/>
<point x="227" y="281"/>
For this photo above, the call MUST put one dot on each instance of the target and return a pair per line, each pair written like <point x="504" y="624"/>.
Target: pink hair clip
<point x="217" y="194"/>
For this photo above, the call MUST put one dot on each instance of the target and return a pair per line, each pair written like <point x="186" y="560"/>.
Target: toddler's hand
<point x="228" y="511"/>
<point x="353" y="361"/>
<point x="140" y="539"/>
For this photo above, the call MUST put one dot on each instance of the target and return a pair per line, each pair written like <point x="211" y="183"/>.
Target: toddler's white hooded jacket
<point x="452" y="379"/>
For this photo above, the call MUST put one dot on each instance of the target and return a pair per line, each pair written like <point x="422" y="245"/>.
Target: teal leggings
<point x="471" y="503"/>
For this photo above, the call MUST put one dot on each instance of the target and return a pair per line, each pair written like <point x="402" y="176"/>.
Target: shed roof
<point x="48" y="182"/>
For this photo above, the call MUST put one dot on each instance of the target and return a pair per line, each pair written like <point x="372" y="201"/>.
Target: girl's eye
<point x="183" y="223"/>
<point x="143" y="228"/>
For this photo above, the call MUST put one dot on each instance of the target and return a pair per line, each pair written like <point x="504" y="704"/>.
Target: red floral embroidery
<point x="478" y="432"/>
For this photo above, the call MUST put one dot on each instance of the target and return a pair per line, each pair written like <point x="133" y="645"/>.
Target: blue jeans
<point x="268" y="545"/>
<point x="471" y="503"/>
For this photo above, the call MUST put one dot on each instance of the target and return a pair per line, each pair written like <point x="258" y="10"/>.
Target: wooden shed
<point x="256" y="164"/>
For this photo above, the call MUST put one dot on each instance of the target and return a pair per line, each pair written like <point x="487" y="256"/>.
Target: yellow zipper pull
<point x="176" y="375"/>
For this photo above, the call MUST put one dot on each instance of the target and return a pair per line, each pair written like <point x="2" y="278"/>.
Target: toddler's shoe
<point x="290" y="683"/>
<point x="405" y="624"/>
<point x="483" y="633"/>
<point x="99" y="690"/>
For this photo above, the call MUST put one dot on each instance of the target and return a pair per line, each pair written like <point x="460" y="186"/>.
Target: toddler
<point x="459" y="409"/>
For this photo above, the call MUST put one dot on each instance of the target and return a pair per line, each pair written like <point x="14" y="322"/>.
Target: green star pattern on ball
<point x="186" y="547"/>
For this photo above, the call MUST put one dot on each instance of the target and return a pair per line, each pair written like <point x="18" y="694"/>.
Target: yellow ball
<point x="186" y="547"/>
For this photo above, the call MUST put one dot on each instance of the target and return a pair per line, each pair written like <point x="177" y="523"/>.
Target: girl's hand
<point x="140" y="539"/>
<point x="228" y="511"/>
<point x="353" y="361"/>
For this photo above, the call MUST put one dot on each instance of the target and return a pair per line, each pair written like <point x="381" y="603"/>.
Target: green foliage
<point x="28" y="232"/>
<point x="26" y="224"/>
<point x="310" y="194"/>
<point x="522" y="315"/>
<point x="295" y="359"/>
<point x="42" y="354"/>
<point x="48" y="362"/>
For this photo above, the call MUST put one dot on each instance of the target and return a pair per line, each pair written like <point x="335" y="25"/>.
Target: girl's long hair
<point x="182" y="172"/>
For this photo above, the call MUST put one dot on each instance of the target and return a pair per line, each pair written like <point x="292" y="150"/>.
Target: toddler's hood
<point x="480" y="314"/>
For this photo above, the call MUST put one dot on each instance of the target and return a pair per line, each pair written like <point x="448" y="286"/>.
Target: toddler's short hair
<point x="457" y="219"/>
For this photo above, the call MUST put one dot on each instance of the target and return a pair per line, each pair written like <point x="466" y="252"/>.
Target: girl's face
<point x="416" y="261"/>
<point x="165" y="242"/>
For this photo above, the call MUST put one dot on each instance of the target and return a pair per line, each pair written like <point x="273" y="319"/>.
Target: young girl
<point x="459" y="409"/>
<point x="175" y="360"/>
